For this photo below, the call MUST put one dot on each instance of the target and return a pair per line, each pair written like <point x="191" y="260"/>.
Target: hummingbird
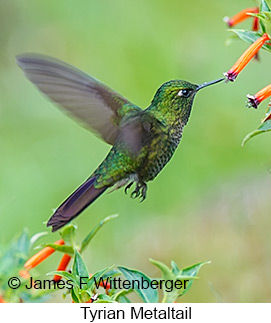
<point x="143" y="141"/>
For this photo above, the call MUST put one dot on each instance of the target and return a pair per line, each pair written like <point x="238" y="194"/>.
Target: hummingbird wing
<point x="140" y="131"/>
<point x="78" y="93"/>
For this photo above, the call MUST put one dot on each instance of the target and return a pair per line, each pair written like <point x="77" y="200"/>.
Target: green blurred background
<point x="211" y="202"/>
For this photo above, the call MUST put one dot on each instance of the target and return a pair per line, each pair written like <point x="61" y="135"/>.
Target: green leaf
<point x="36" y="237"/>
<point x="267" y="113"/>
<point x="89" y="237"/>
<point x="15" y="255"/>
<point x="264" y="7"/>
<point x="37" y="297"/>
<point x="64" y="274"/>
<point x="262" y="25"/>
<point x="111" y="272"/>
<point x="104" y="299"/>
<point x="264" y="127"/>
<point x="168" y="275"/>
<point x="121" y="297"/>
<point x="267" y="22"/>
<point x="264" y="18"/>
<point x="174" y="274"/>
<point x="179" y="273"/>
<point x="68" y="234"/>
<point x="74" y="296"/>
<point x="192" y="271"/>
<point x="62" y="248"/>
<point x="84" y="296"/>
<point x="97" y="275"/>
<point x="175" y="268"/>
<point x="79" y="269"/>
<point x="148" y="295"/>
<point x="250" y="37"/>
<point x="23" y="243"/>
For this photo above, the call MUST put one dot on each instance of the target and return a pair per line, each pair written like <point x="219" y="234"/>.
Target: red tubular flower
<point x="41" y="255"/>
<point x="255" y="100"/>
<point x="246" y="57"/>
<point x="255" y="25"/>
<point x="62" y="266"/>
<point x="240" y="16"/>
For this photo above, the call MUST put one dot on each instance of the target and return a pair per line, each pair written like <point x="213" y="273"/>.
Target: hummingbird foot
<point x="144" y="188"/>
<point x="120" y="184"/>
<point x="127" y="187"/>
<point x="140" y="191"/>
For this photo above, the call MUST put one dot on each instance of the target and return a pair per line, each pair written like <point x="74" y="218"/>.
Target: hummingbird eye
<point x="185" y="93"/>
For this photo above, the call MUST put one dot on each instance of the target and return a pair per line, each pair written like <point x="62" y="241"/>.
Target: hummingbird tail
<point x="82" y="197"/>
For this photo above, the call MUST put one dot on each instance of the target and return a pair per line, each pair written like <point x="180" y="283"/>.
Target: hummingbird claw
<point x="140" y="191"/>
<point x="127" y="187"/>
<point x="135" y="194"/>
<point x="143" y="192"/>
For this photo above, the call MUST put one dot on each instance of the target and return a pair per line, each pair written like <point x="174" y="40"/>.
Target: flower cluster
<point x="44" y="254"/>
<point x="98" y="287"/>
<point x="259" y="37"/>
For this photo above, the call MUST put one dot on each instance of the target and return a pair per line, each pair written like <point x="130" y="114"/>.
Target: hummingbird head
<point x="175" y="98"/>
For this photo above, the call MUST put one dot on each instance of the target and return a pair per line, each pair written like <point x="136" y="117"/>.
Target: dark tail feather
<point x="75" y="204"/>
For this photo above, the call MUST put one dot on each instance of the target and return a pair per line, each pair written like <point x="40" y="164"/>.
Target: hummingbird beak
<point x="201" y="86"/>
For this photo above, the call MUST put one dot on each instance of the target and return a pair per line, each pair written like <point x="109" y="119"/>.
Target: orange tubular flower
<point x="41" y="255"/>
<point x="24" y="274"/>
<point x="240" y="16"/>
<point x="62" y="266"/>
<point x="245" y="58"/>
<point x="255" y="100"/>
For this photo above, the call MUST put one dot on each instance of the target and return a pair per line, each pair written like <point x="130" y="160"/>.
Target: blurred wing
<point x="140" y="131"/>
<point x="82" y="96"/>
<point x="132" y="135"/>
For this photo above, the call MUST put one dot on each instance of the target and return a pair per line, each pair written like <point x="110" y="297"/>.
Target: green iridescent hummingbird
<point x="143" y="140"/>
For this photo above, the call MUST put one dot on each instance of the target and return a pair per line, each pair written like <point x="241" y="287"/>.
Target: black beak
<point x="201" y="86"/>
